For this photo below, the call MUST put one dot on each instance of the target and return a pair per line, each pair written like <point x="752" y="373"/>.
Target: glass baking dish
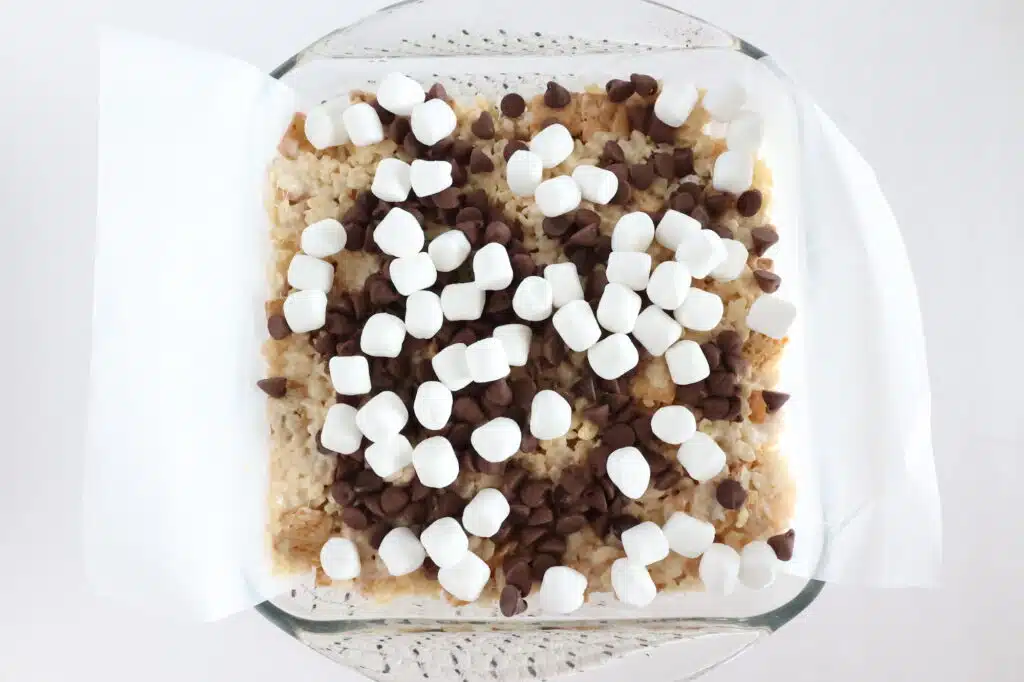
<point x="492" y="48"/>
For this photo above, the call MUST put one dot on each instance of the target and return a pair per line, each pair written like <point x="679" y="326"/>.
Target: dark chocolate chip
<point x="377" y="533"/>
<point x="394" y="500"/>
<point x="499" y="393"/>
<point x="730" y="494"/>
<point x="385" y="116"/>
<point x="717" y="204"/>
<point x="661" y="132"/>
<point x="517" y="573"/>
<point x="556" y="227"/>
<point x="462" y="150"/>
<point x="597" y="280"/>
<point x="483" y="126"/>
<point x="585" y="237"/>
<point x="712" y="354"/>
<point x="531" y="535"/>
<point x="556" y="96"/>
<point x="683" y="157"/>
<point x="381" y="293"/>
<point x="641" y="175"/>
<point x="722" y="231"/>
<point x="595" y="499"/>
<point x="430" y="569"/>
<point x="597" y="459"/>
<point x="597" y="414"/>
<point x="528" y="443"/>
<point x="509" y="600"/>
<point x="446" y="199"/>
<point x="623" y="522"/>
<point x="644" y="85"/>
<point x="735" y="409"/>
<point x="729" y="340"/>
<point x="479" y="162"/>
<point x="715" y="408"/>
<point x="570" y="524"/>
<point x="533" y="493"/>
<point x="763" y="238"/>
<point x="325" y="344"/>
<point x="682" y="202"/>
<point x="774" y="400"/>
<point x="664" y="165"/>
<point x="639" y="117"/>
<point x="497" y="232"/>
<point x="368" y="482"/>
<point x="690" y="394"/>
<point x="514" y="146"/>
<point x="618" y="436"/>
<point x="783" y="544"/>
<point x="471" y="230"/>
<point x="354" y="518"/>
<point x="413" y="147"/>
<point x="437" y="91"/>
<point x="467" y="409"/>
<point x="667" y="479"/>
<point x="721" y="384"/>
<point x="523" y="265"/>
<point x="586" y="218"/>
<point x="459" y="174"/>
<point x="278" y="327"/>
<point x="552" y="545"/>
<point x="619" y="90"/>
<point x="399" y="129"/>
<point x="513" y="105"/>
<point x="613" y="153"/>
<point x="275" y="387"/>
<point x="642" y="428"/>
<point x="735" y="362"/>
<point x="441" y="149"/>
<point x="541" y="563"/>
<point x="749" y="203"/>
<point x="767" y="280"/>
<point x="343" y="493"/>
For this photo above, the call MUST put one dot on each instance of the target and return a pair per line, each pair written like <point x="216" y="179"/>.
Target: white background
<point x="931" y="92"/>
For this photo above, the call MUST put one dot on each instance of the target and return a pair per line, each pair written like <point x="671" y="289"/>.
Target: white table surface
<point x="932" y="95"/>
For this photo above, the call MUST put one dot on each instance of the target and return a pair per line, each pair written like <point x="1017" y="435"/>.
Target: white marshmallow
<point x="553" y="145"/>
<point x="724" y="101"/>
<point x="745" y="133"/>
<point x="629" y="471"/>
<point x="597" y="185"/>
<point x="339" y="558"/>
<point x="515" y="338"/>
<point x="430" y="177"/>
<point x="389" y="456"/>
<point x="492" y="269"/>
<point x="350" y="375"/>
<point x="701" y="311"/>
<point x="675" y="103"/>
<point x="618" y="308"/>
<point x="308" y="273"/>
<point x="423" y="314"/>
<point x="734" y="263"/>
<point x="486" y="360"/>
<point x="445" y="542"/>
<point x="557" y="196"/>
<point x="466" y="579"/>
<point x="485" y="513"/>
<point x="391" y="180"/>
<point x="701" y="252"/>
<point x="497" y="440"/>
<point x="399" y="234"/>
<point x="451" y="367"/>
<point x="399" y="94"/>
<point x="629" y="268"/>
<point x="533" y="299"/>
<point x="340" y="432"/>
<point x="675" y="227"/>
<point x="613" y="356"/>
<point x="633" y="232"/>
<point x="686" y="363"/>
<point x="702" y="457"/>
<point x="687" y="536"/>
<point x="632" y="583"/>
<point x="673" y="424"/>
<point x="305" y="311"/>
<point x="432" y="121"/>
<point x="363" y="125"/>
<point x="435" y="462"/>
<point x="734" y="172"/>
<point x="413" y="273"/>
<point x="382" y="336"/>
<point x="565" y="283"/>
<point x="432" y="405"/>
<point x="524" y="172"/>
<point x="324" y="238"/>
<point x="401" y="552"/>
<point x="769" y="314"/>
<point x="324" y="126"/>
<point x="382" y="417"/>
<point x="669" y="284"/>
<point x="449" y="250"/>
<point x="656" y="330"/>
<point x="462" y="301"/>
<point x="576" y="324"/>
<point x="645" y="543"/>
<point x="758" y="565"/>
<point x="720" y="569"/>
<point x="561" y="590"/>
<point x="550" y="415"/>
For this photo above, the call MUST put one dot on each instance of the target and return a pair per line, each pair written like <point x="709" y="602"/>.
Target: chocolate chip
<point x="399" y="129"/>
<point x="531" y="535"/>
<point x="541" y="563"/>
<point x="518" y="575"/>
<point x="325" y="344"/>
<point x="774" y="400"/>
<point x="767" y="280"/>
<point x="483" y="126"/>
<point x="661" y="132"/>
<point x="613" y="153"/>
<point x="498" y="233"/>
<point x="381" y="293"/>
<point x="568" y="525"/>
<point x="645" y="85"/>
<point x="275" y="387"/>
<point x="556" y="96"/>
<point x="447" y="198"/>
<point x="509" y="600"/>
<point x="667" y="479"/>
<point x="466" y="409"/>
<point x="586" y="218"/>
<point x="356" y="236"/>
<point x="683" y="158"/>
<point x="448" y="503"/>
<point x="730" y="494"/>
<point x="461" y="150"/>
<point x="368" y="482"/>
<point x="499" y="393"/>
<point x="735" y="362"/>
<point x="377" y="533"/>
<point x="556" y="227"/>
<point x="278" y="327"/>
<point x="413" y="147"/>
<point x="585" y="237"/>
<point x="619" y="90"/>
<point x="715" y="408"/>
<point x="729" y="340"/>
<point x="712" y="354"/>
<point x="618" y="436"/>
<point x="639" y="117"/>
<point x="641" y="175"/>
<point x="437" y="91"/>
<point x="763" y="238"/>
<point x="690" y="394"/>
<point x="513" y="105"/>
<point x="441" y="149"/>
<point x="596" y="282"/>
<point x="749" y="203"/>
<point x="385" y="116"/>
<point x="623" y="522"/>
<point x="783" y="544"/>
<point x="479" y="162"/>
<point x="595" y="499"/>
<point x="394" y="500"/>
<point x="721" y="384"/>
<point x="717" y="204"/>
<point x="664" y="165"/>
<point x="598" y="414"/>
<point x="722" y="231"/>
<point x="642" y="428"/>
<point x="533" y="493"/>
<point x="514" y="146"/>
<point x="471" y="230"/>
<point x="343" y="493"/>
<point x="523" y="265"/>
<point x="354" y="518"/>
<point x="597" y="459"/>
<point x="552" y="545"/>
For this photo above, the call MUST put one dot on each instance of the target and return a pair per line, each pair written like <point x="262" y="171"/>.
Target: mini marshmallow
<point x="734" y="263"/>
<point x="669" y="285"/>
<point x="312" y="274"/>
<point x="701" y="253"/>
<point x="324" y="238"/>
<point x="382" y="417"/>
<point x="561" y="590"/>
<point x="673" y="424"/>
<point x="399" y="94"/>
<point x="430" y="177"/>
<point x="758" y="565"/>
<point x="305" y="311"/>
<point x="515" y="338"/>
<point x="383" y="335"/>
<point x="432" y="121"/>
<point x="449" y="250"/>
<point x="350" y="375"/>
<point x="701" y="311"/>
<point x="391" y="181"/>
<point x="389" y="456"/>
<point x="613" y="356"/>
<point x="362" y="124"/>
<point x="485" y="513"/>
<point x="734" y="172"/>
<point x="462" y="301"/>
<point x="401" y="552"/>
<point x="745" y="133"/>
<point x="723" y="102"/>
<point x="675" y="103"/>
<point x="645" y="543"/>
<point x="432" y="405"/>
<point x="339" y="558"/>
<point x="632" y="583"/>
<point x="524" y="172"/>
<point x="451" y="367"/>
<point x="497" y="440"/>
<point x="618" y="308"/>
<point x="413" y="273"/>
<point x="399" y="234"/>
<point x="565" y="283"/>
<point x="466" y="579"/>
<point x="550" y="415"/>
<point x="769" y="315"/>
<point x="557" y="196"/>
<point x="720" y="569"/>
<point x="629" y="471"/>
<point x="629" y="268"/>
<point x="656" y="330"/>
<point x="576" y="324"/>
<point x="340" y="432"/>
<point x="686" y="363"/>
<point x="445" y="542"/>
<point x="533" y="299"/>
<point x="553" y="145"/>
<point x="633" y="232"/>
<point x="702" y="457"/>
<point x="486" y="361"/>
<point x="597" y="185"/>
<point x="324" y="126"/>
<point x="423" y="314"/>
<point x="674" y="228"/>
<point x="492" y="269"/>
<point x="687" y="536"/>
<point x="435" y="462"/>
